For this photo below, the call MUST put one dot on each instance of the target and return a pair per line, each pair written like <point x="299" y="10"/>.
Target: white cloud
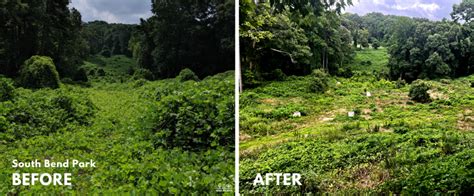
<point x="112" y="11"/>
<point x="379" y="2"/>
<point x="427" y="7"/>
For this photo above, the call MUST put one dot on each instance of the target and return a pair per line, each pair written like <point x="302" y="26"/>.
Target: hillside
<point x="392" y="144"/>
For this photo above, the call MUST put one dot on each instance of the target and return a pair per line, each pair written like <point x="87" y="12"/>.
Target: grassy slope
<point x="370" y="152"/>
<point x="117" y="141"/>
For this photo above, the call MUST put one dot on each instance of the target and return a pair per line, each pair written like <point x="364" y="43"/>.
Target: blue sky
<point x="113" y="11"/>
<point x="431" y="9"/>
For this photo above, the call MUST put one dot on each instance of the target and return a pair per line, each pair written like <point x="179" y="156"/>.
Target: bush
<point x="472" y="83"/>
<point x="419" y="92"/>
<point x="278" y="75"/>
<point x="143" y="74"/>
<point x="319" y="82"/>
<point x="195" y="116"/>
<point x="187" y="74"/>
<point x="400" y="83"/>
<point x="81" y="75"/>
<point x="7" y="91"/>
<point x="250" y="79"/>
<point x="44" y="112"/>
<point x="39" y="72"/>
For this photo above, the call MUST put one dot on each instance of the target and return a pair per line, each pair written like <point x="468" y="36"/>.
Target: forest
<point x="372" y="104"/>
<point x="151" y="103"/>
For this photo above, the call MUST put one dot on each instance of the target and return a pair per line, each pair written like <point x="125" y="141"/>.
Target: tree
<point x="200" y="37"/>
<point x="46" y="27"/>
<point x="364" y="38"/>
<point x="463" y="11"/>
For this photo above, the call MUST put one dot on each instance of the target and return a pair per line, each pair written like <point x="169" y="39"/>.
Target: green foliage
<point x="319" y="82"/>
<point x="419" y="92"/>
<point x="113" y="123"/>
<point x="46" y="28"/>
<point x="250" y="79"/>
<point x="293" y="42"/>
<point x="39" y="72"/>
<point x="195" y="116"/>
<point x="7" y="90"/>
<point x="143" y="74"/>
<point x="108" y="39"/>
<point x="426" y="49"/>
<point x="201" y="39"/>
<point x="345" y="72"/>
<point x="391" y="146"/>
<point x="187" y="74"/>
<point x="44" y="112"/>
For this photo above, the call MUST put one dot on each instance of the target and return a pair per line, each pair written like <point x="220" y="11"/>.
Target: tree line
<point x="295" y="37"/>
<point x="180" y="34"/>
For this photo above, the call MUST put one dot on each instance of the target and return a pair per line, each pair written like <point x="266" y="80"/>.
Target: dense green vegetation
<point x="71" y="90"/>
<point x="123" y="125"/>
<point x="108" y="39"/>
<point x="392" y="144"/>
<point x="200" y="37"/>
<point x="293" y="36"/>
<point x="46" y="28"/>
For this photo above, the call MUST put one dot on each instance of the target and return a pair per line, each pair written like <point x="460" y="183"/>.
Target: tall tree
<point x="200" y="37"/>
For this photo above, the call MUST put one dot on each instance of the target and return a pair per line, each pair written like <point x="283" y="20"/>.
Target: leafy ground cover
<point x="114" y="120"/>
<point x="391" y="145"/>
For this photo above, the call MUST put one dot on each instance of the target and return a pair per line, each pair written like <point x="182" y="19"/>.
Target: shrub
<point x="472" y="83"/>
<point x="81" y="75"/>
<point x="196" y="116"/>
<point x="250" y="79"/>
<point x="400" y="83"/>
<point x="319" y="82"/>
<point x="43" y="112"/>
<point x="143" y="74"/>
<point x="187" y="74"/>
<point x="278" y="75"/>
<point x="39" y="72"/>
<point x="7" y="91"/>
<point x="419" y="92"/>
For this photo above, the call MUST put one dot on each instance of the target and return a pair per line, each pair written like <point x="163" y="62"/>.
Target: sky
<point x="431" y="9"/>
<point x="113" y="11"/>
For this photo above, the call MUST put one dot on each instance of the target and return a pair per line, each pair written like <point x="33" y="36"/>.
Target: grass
<point x="393" y="146"/>
<point x="377" y="58"/>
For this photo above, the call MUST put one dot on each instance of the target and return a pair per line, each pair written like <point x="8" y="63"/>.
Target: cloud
<point x="113" y="11"/>
<point x="431" y="9"/>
